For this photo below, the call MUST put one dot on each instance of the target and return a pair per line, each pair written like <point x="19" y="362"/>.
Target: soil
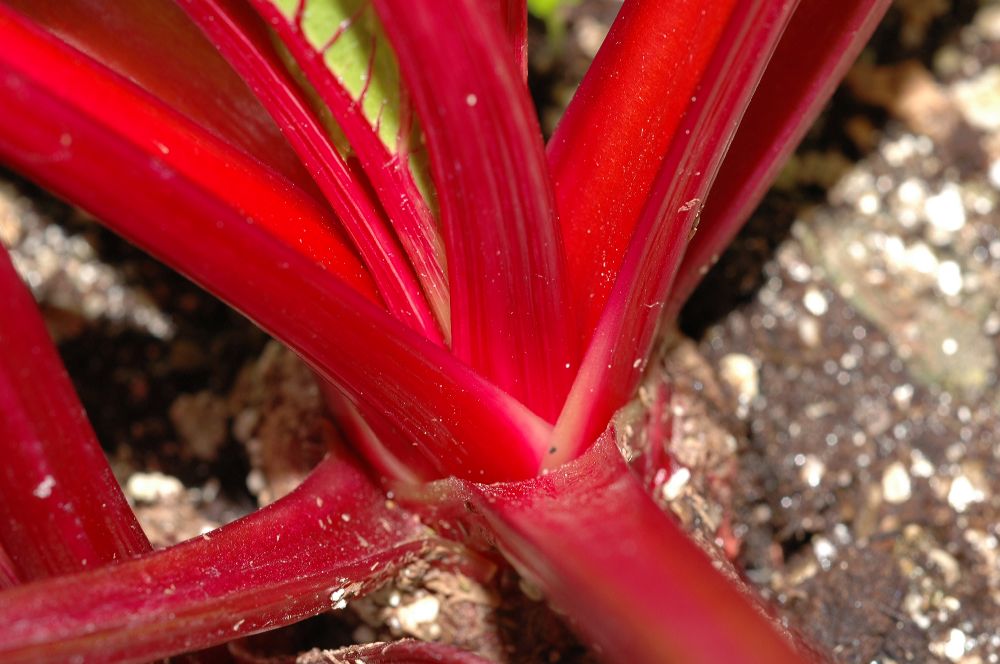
<point x="833" y="384"/>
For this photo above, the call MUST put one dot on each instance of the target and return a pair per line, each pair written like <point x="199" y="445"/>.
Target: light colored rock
<point x="740" y="372"/>
<point x="963" y="493"/>
<point x="815" y="302"/>
<point x="896" y="486"/>
<point x="153" y="487"/>
<point x="944" y="210"/>
<point x="979" y="99"/>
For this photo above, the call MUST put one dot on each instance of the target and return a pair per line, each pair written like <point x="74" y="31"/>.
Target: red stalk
<point x="61" y="509"/>
<point x="821" y="42"/>
<point x="611" y="142"/>
<point x="8" y="576"/>
<point x="388" y="170"/>
<point x="197" y="197"/>
<point x="509" y="309"/>
<point x="623" y="339"/>
<point x="586" y="533"/>
<point x="291" y="560"/>
<point x="383" y="458"/>
<point x="408" y="651"/>
<point x="513" y="17"/>
<point x="238" y="34"/>
<point x="173" y="150"/>
<point x="154" y="45"/>
<point x="628" y="576"/>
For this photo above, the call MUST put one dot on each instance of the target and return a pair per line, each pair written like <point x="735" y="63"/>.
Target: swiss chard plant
<point x="366" y="180"/>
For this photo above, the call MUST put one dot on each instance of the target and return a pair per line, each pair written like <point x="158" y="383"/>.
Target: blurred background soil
<point x="835" y="412"/>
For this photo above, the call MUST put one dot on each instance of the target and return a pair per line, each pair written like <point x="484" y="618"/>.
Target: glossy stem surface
<point x="219" y="220"/>
<point x="623" y="339"/>
<point x="332" y="539"/>
<point x="627" y="577"/>
<point x="510" y="319"/>
<point x="612" y="141"/>
<point x="244" y="41"/>
<point x="61" y="509"/>
<point x="819" y="45"/>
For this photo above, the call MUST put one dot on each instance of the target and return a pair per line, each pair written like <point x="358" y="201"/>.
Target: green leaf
<point x="348" y="35"/>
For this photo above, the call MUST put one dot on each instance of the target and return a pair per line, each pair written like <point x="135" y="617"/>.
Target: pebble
<point x="987" y="21"/>
<point x="896" y="487"/>
<point x="950" y="569"/>
<point x="979" y="99"/>
<point x="903" y="395"/>
<point x="962" y="494"/>
<point x="672" y="487"/>
<point x="419" y="612"/>
<point x="809" y="331"/>
<point x="994" y="173"/>
<point x="825" y="551"/>
<point x="949" y="278"/>
<point x="953" y="647"/>
<point x="920" y="465"/>
<point x="337" y="600"/>
<point x="815" y="302"/>
<point x="812" y="471"/>
<point x="944" y="210"/>
<point x="740" y="372"/>
<point x="153" y="487"/>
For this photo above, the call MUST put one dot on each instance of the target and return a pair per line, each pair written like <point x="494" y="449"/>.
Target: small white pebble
<point x="672" y="487"/>
<point x="420" y="612"/>
<point x="921" y="258"/>
<point x="920" y="466"/>
<point x="949" y="346"/>
<point x="815" y="302"/>
<point x="902" y="395"/>
<point x="911" y="193"/>
<point x="954" y="648"/>
<point x="740" y="372"/>
<point x="153" y="487"/>
<point x="809" y="331"/>
<point x="994" y="174"/>
<point x="944" y="210"/>
<point x="962" y="494"/>
<point x="949" y="278"/>
<point x="825" y="551"/>
<point x="812" y="471"/>
<point x="868" y="204"/>
<point x="896" y="486"/>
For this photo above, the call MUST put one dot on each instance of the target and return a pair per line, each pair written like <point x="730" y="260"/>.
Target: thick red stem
<point x="220" y="220"/>
<point x="513" y="16"/>
<point x="613" y="364"/>
<point x="8" y="575"/>
<point x="625" y="574"/>
<point x="821" y="42"/>
<point x="244" y="41"/>
<point x="156" y="47"/>
<point x="332" y="539"/>
<point x="407" y="651"/>
<point x="61" y="509"/>
<point x="389" y="172"/>
<point x="612" y="140"/>
<point x="510" y="318"/>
